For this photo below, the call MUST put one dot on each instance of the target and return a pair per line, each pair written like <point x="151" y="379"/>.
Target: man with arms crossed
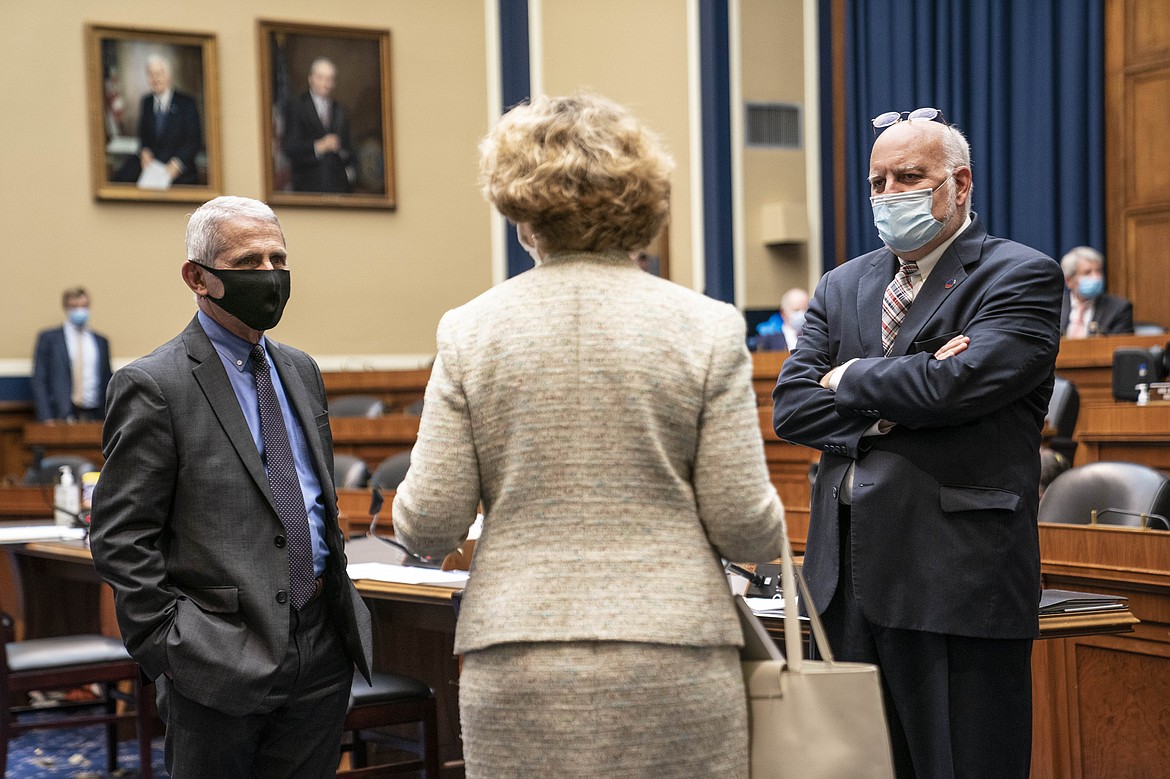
<point x="215" y="522"/>
<point x="922" y="548"/>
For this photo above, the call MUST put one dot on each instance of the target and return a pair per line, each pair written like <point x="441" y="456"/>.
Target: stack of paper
<point x="407" y="574"/>
<point x="22" y="534"/>
<point x="1066" y="601"/>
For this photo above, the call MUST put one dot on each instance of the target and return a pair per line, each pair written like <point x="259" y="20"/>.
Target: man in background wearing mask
<point x="71" y="366"/>
<point x="781" y="336"/>
<point x="215" y="521"/>
<point x="923" y="376"/>
<point x="1088" y="309"/>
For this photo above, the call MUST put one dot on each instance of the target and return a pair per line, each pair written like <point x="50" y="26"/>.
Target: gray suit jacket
<point x="606" y="420"/>
<point x="186" y="532"/>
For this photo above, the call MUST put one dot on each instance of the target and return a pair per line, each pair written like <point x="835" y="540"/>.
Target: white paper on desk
<point x="406" y="574"/>
<point x="19" y="534"/>
<point x="155" y="176"/>
<point x="766" y="607"/>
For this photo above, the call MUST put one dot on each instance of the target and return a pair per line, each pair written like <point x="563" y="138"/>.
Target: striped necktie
<point x="899" y="295"/>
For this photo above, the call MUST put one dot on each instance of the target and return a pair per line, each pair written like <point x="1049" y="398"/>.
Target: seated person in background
<point x="71" y="366"/>
<point x="793" y="304"/>
<point x="1088" y="309"/>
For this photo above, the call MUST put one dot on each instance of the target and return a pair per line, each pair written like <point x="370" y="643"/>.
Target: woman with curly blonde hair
<point x="605" y="420"/>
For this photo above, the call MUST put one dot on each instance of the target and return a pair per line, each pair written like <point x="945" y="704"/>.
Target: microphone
<point x="376" y="503"/>
<point x="1150" y="521"/>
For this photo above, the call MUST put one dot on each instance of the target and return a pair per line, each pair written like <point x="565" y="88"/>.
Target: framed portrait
<point x="325" y="109"/>
<point x="154" y="114"/>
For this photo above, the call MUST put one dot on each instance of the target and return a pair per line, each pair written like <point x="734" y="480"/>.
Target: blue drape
<point x="515" y="87"/>
<point x="1023" y="80"/>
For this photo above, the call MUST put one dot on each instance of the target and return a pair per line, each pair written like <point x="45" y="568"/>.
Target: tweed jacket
<point x="606" y="420"/>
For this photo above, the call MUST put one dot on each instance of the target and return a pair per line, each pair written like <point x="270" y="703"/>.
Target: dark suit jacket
<point x="944" y="506"/>
<point x="302" y="126"/>
<point x="52" y="375"/>
<point x="186" y="532"/>
<point x="182" y="137"/>
<point x="1113" y="314"/>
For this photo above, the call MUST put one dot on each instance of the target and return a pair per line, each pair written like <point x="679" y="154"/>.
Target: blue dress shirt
<point x="235" y="353"/>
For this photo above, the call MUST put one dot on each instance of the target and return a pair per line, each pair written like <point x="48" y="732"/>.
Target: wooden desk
<point x="397" y="389"/>
<point x="374" y="440"/>
<point x="1099" y="701"/>
<point x="80" y="438"/>
<point x="765" y="370"/>
<point x="1088" y="362"/>
<point x="1125" y="431"/>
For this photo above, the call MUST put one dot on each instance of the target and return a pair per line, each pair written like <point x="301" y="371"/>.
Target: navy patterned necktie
<point x="896" y="302"/>
<point x="286" y="487"/>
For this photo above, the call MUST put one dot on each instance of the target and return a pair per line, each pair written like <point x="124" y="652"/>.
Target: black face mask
<point x="255" y="297"/>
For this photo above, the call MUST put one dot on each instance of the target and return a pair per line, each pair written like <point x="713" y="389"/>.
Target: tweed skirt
<point x="603" y="709"/>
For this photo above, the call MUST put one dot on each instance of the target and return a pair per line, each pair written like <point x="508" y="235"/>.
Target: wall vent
<point x="773" y="125"/>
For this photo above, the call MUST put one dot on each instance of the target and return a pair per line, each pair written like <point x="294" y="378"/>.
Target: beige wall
<point x="365" y="282"/>
<point x="640" y="62"/>
<point x="772" y="53"/>
<point x="369" y="286"/>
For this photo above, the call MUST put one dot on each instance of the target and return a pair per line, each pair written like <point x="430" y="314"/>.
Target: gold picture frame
<point x="325" y="103"/>
<point x="148" y="149"/>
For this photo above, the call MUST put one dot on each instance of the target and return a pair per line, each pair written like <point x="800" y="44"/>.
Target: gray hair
<point x="322" y="61"/>
<point x="1070" y="261"/>
<point x="161" y="60"/>
<point x="204" y="236"/>
<point x="957" y="154"/>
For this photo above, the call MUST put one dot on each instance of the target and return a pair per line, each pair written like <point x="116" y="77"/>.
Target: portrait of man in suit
<point x="71" y="366"/>
<point x="923" y="376"/>
<point x="317" y="135"/>
<point x="215" y="521"/>
<point x="169" y="129"/>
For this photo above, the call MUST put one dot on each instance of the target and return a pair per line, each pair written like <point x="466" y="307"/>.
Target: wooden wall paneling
<point x="1148" y="244"/>
<point x="1137" y="180"/>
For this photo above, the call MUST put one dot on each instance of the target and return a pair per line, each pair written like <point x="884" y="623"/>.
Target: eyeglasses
<point x="882" y="121"/>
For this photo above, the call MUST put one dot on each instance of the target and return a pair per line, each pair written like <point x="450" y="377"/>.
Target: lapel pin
<point x="951" y="283"/>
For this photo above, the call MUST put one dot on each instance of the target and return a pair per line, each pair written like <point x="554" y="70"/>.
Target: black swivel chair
<point x="369" y="406"/>
<point x="1125" y="494"/>
<point x="350" y="472"/>
<point x="391" y="471"/>
<point x="48" y="469"/>
<point x="393" y="700"/>
<point x="1063" y="409"/>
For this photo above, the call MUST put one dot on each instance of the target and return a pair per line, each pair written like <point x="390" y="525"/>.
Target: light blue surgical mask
<point x="904" y="220"/>
<point x="78" y="316"/>
<point x="795" y="320"/>
<point x="1090" y="287"/>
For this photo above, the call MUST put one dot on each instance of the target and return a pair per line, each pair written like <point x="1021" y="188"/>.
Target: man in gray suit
<point x="215" y="521"/>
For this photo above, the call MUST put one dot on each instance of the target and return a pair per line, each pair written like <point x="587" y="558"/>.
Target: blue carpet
<point x="74" y="753"/>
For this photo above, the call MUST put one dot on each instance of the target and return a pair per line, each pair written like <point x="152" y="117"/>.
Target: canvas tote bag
<point x="810" y="719"/>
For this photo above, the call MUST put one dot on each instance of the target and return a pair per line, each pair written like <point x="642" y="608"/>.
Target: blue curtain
<point x="1023" y="80"/>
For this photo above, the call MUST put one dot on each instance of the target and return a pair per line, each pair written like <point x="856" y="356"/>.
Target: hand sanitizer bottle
<point x="66" y="498"/>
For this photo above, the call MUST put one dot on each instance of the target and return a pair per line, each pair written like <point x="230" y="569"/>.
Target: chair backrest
<point x="1063" y="408"/>
<point x="1120" y="493"/>
<point x="350" y="472"/>
<point x="49" y="469"/>
<point x="356" y="406"/>
<point x="391" y="471"/>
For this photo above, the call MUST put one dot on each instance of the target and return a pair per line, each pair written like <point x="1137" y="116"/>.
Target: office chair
<point x="393" y="700"/>
<point x="64" y="663"/>
<point x="391" y="471"/>
<point x="350" y="472"/>
<point x="369" y="406"/>
<point x="1121" y="494"/>
<point x="1063" y="409"/>
<point x="47" y="469"/>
